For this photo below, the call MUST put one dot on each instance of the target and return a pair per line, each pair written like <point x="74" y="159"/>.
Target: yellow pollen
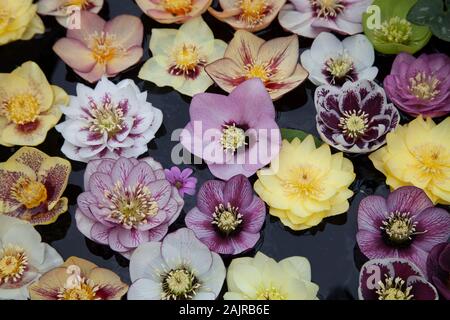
<point x="271" y="293"/>
<point x="106" y="118"/>
<point x="13" y="264"/>
<point x="177" y="7"/>
<point x="327" y="8"/>
<point x="179" y="284"/>
<point x="232" y="138"/>
<point x="253" y="11"/>
<point x="432" y="160"/>
<point x="29" y="193"/>
<point x="423" y="86"/>
<point x="260" y="71"/>
<point x="394" y="289"/>
<point x="104" y="47"/>
<point x="227" y="219"/>
<point x="304" y="182"/>
<point x="340" y="66"/>
<point x="83" y="4"/>
<point x="5" y="16"/>
<point x="394" y="30"/>
<point x="86" y="290"/>
<point x="21" y="109"/>
<point x="187" y="57"/>
<point x="354" y="124"/>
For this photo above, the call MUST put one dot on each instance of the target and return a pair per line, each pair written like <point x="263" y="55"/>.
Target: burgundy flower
<point x="181" y="180"/>
<point x="228" y="216"/>
<point x="405" y="225"/>
<point x="393" y="279"/>
<point x="355" y="118"/>
<point x="438" y="268"/>
<point x="420" y="86"/>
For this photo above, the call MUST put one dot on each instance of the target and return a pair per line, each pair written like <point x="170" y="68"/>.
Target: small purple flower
<point x="355" y="118"/>
<point x="438" y="268"/>
<point x="420" y="86"/>
<point x="181" y="180"/>
<point x="393" y="279"/>
<point x="228" y="216"/>
<point x="405" y="225"/>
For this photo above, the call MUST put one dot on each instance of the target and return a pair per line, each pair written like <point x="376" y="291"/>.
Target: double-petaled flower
<point x="438" y="268"/>
<point x="173" y="11"/>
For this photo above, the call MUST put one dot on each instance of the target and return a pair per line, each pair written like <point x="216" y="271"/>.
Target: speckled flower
<point x="32" y="186"/>
<point x="438" y="268"/>
<point x="78" y="279"/>
<point x="126" y="202"/>
<point x="420" y="86"/>
<point x="109" y="121"/>
<point x="355" y="118"/>
<point x="173" y="11"/>
<point x="181" y="180"/>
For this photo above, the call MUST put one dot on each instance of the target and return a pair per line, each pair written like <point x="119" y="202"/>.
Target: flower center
<point x="354" y="123"/>
<point x="131" y="206"/>
<point x="13" y="264"/>
<point x="104" y="47"/>
<point x="232" y="138"/>
<point x="394" y="30"/>
<point x="432" y="160"/>
<point x="188" y="61"/>
<point x="227" y="219"/>
<point x="177" y="7"/>
<point x="399" y="227"/>
<point x="85" y="290"/>
<point x="339" y="69"/>
<point x="21" y="109"/>
<point x="393" y="289"/>
<point x="179" y="284"/>
<point x="82" y="4"/>
<point x="423" y="86"/>
<point x="29" y="193"/>
<point x="271" y="293"/>
<point x="304" y="182"/>
<point x="5" y="17"/>
<point x="260" y="71"/>
<point x="253" y="11"/>
<point x="327" y="8"/>
<point x="106" y="118"/>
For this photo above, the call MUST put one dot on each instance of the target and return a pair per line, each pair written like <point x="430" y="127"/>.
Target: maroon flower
<point x="438" y="268"/>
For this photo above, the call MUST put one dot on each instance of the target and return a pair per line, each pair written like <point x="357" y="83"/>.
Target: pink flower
<point x="181" y="180"/>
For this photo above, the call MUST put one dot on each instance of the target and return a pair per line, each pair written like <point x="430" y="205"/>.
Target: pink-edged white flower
<point x="110" y="121"/>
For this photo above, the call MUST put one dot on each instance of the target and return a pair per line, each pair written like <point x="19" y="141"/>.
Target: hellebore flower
<point x="181" y="180"/>
<point x="63" y="10"/>
<point x="179" y="57"/>
<point x="178" y="268"/>
<point x="126" y="202"/>
<point x="99" y="48"/>
<point x="173" y="11"/>
<point x="247" y="57"/>
<point x="78" y="279"/>
<point x="19" y="21"/>
<point x="250" y="15"/>
<point x="418" y="154"/>
<point x="393" y="279"/>
<point x="405" y="225"/>
<point x="32" y="186"/>
<point x="109" y="121"/>
<point x="29" y="106"/>
<point x="308" y="18"/>
<point x="420" y="86"/>
<point x="391" y="33"/>
<point x="228" y="217"/>
<point x="334" y="62"/>
<point x="356" y="118"/>
<point x="438" y="268"/>
<point x="235" y="134"/>
<point x="262" y="278"/>
<point x="23" y="258"/>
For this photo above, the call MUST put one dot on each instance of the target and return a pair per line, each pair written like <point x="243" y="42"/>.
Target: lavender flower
<point x="181" y="180"/>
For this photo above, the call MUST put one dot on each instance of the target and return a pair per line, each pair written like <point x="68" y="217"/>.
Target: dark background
<point x="330" y="247"/>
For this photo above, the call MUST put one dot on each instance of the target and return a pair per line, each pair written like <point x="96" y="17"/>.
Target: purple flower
<point x="126" y="202"/>
<point x="181" y="180"/>
<point x="228" y="216"/>
<point x="438" y="268"/>
<point x="355" y="118"/>
<point x="420" y="86"/>
<point x="393" y="279"/>
<point x="235" y="134"/>
<point x="405" y="225"/>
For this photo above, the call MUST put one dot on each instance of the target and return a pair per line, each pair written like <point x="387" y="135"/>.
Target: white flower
<point x="179" y="267"/>
<point x="23" y="258"/>
<point x="334" y="62"/>
<point x="109" y="121"/>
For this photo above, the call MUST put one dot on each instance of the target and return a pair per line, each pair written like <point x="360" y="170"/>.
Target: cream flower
<point x="173" y="11"/>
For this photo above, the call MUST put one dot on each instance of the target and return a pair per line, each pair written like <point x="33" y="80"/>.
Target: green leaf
<point x="440" y="27"/>
<point x="290" y="134"/>
<point x="425" y="11"/>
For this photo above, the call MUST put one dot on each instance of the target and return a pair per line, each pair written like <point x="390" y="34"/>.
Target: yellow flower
<point x="306" y="184"/>
<point x="29" y="106"/>
<point x="262" y="278"/>
<point x="19" y="20"/>
<point x="418" y="154"/>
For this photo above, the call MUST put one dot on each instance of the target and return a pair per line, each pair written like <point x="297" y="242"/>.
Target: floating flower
<point x="308" y="18"/>
<point x="32" y="186"/>
<point x="235" y="134"/>
<point x="438" y="268"/>
<point x="178" y="268"/>
<point x="29" y="106"/>
<point x="19" y="21"/>
<point x="78" y="279"/>
<point x="23" y="258"/>
<point x="334" y="62"/>
<point x="420" y="86"/>
<point x="173" y="11"/>
<point x="181" y="180"/>
<point x="356" y="118"/>
<point x="108" y="122"/>
<point x="250" y="15"/>
<point x="64" y="10"/>
<point x="393" y="279"/>
<point x="418" y="154"/>
<point x="228" y="217"/>
<point x="126" y="202"/>
<point x="391" y="33"/>
<point x="99" y="48"/>
<point x="306" y="184"/>
<point x="247" y="57"/>
<point x="179" y="57"/>
<point x="262" y="278"/>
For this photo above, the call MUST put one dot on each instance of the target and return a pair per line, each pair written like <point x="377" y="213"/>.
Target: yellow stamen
<point x="187" y="57"/>
<point x="179" y="284"/>
<point x="423" y="86"/>
<point x="86" y="290"/>
<point x="21" y="109"/>
<point x="253" y="11"/>
<point x="232" y="138"/>
<point x="340" y="66"/>
<point x="13" y="264"/>
<point x="104" y="47"/>
<point x="354" y="124"/>
<point x="394" y="30"/>
<point x="83" y="4"/>
<point x="432" y="160"/>
<point x="177" y="7"/>
<point x="227" y="219"/>
<point x="28" y="192"/>
<point x="304" y="182"/>
<point x="271" y="293"/>
<point x="327" y="8"/>
<point x="257" y="71"/>
<point x="393" y="289"/>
